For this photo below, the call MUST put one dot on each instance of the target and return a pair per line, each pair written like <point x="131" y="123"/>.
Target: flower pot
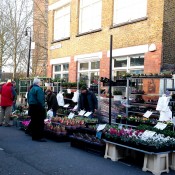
<point x="118" y="120"/>
<point x="123" y="121"/>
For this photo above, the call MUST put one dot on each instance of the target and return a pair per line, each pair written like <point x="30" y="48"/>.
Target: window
<point x="137" y="61"/>
<point x="89" y="72"/>
<point x="57" y="68"/>
<point x="120" y="62"/>
<point x="129" y="10"/>
<point x="133" y="64"/>
<point x="62" y="23"/>
<point x="90" y="15"/>
<point x="61" y="71"/>
<point x="84" y="66"/>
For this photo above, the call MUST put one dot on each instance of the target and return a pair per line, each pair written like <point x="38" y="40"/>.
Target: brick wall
<point x="72" y="70"/>
<point x="169" y="32"/>
<point x="104" y="65"/>
<point x="40" y="37"/>
<point x="139" y="33"/>
<point x="152" y="61"/>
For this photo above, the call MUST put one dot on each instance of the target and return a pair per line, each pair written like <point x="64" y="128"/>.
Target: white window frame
<point x="62" y="16"/>
<point x="91" y="21"/>
<point x="60" y="72"/>
<point x="128" y="68"/>
<point x="126" y="11"/>
<point x="88" y="71"/>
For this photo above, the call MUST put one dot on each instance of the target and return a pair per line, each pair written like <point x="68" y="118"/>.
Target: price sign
<point x="148" y="134"/>
<point x="147" y="114"/>
<point x="160" y="126"/>
<point x="66" y="105"/>
<point x="120" y="126"/>
<point x="173" y="120"/>
<point x="87" y="114"/>
<point x="75" y="107"/>
<point x="98" y="135"/>
<point x="82" y="112"/>
<point x="68" y="91"/>
<point x="101" y="127"/>
<point x="71" y="115"/>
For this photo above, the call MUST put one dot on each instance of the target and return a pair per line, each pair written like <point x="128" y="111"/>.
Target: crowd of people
<point x="36" y="98"/>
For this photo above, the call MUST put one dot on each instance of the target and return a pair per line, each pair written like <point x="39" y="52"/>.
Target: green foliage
<point x="117" y="92"/>
<point x="166" y="132"/>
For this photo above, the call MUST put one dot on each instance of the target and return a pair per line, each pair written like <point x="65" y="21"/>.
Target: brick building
<point x="79" y="37"/>
<point x="40" y="37"/>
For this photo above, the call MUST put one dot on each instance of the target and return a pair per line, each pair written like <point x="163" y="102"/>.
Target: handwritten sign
<point x="82" y="112"/>
<point x="173" y="120"/>
<point x="147" y="114"/>
<point x="71" y="115"/>
<point x="148" y="134"/>
<point x="101" y="127"/>
<point x="87" y="114"/>
<point x="66" y="105"/>
<point x="160" y="126"/>
<point x="75" y="107"/>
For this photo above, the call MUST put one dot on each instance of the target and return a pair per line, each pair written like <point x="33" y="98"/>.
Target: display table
<point x="172" y="160"/>
<point x="156" y="163"/>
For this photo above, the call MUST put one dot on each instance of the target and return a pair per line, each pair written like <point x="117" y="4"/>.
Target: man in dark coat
<point x="87" y="101"/>
<point x="36" y="101"/>
<point x="52" y="102"/>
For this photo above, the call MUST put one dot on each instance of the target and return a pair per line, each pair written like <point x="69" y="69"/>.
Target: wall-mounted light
<point x="152" y="47"/>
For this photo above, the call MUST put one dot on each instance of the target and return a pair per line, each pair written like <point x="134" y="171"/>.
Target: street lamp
<point x="28" y="33"/>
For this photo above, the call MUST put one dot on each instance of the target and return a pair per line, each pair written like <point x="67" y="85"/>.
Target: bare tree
<point x="16" y="15"/>
<point x="4" y="37"/>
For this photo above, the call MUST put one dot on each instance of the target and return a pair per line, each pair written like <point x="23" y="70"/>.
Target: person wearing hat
<point x="8" y="95"/>
<point x="36" y="101"/>
<point x="87" y="101"/>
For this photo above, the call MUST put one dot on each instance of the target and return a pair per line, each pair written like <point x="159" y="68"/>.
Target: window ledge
<point x="129" y="22"/>
<point x="89" y="32"/>
<point x="63" y="39"/>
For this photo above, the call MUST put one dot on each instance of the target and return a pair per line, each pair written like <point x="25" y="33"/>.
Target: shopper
<point x="8" y="95"/>
<point x="87" y="101"/>
<point x="51" y="101"/>
<point x="14" y="101"/>
<point x="36" y="101"/>
<point x="29" y="127"/>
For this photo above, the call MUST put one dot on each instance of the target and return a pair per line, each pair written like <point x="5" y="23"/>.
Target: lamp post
<point x="28" y="33"/>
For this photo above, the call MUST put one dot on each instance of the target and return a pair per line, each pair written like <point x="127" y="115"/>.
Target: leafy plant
<point x="166" y="132"/>
<point x="136" y="138"/>
<point x="117" y="92"/>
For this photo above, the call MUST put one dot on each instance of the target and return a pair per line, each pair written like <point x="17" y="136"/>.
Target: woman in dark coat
<point x="52" y="101"/>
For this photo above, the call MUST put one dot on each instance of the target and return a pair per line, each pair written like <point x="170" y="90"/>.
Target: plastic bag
<point x="49" y="114"/>
<point x="75" y="97"/>
<point x="60" y="99"/>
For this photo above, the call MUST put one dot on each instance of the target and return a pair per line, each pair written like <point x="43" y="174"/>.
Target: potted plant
<point x="117" y="95"/>
<point x="118" y="118"/>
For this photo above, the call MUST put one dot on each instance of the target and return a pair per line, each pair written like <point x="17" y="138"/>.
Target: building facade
<point x="79" y="37"/>
<point x="40" y="37"/>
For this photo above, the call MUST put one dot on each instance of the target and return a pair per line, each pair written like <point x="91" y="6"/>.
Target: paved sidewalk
<point x="19" y="155"/>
